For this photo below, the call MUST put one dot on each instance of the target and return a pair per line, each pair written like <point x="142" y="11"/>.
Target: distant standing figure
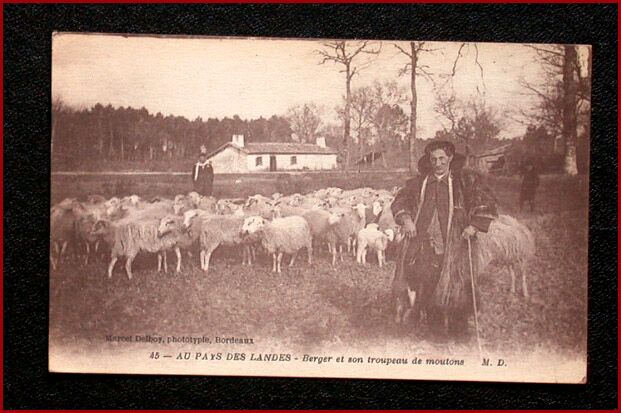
<point x="530" y="182"/>
<point x="202" y="175"/>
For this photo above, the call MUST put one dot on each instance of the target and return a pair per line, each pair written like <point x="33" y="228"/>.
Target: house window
<point x="259" y="161"/>
<point x="294" y="160"/>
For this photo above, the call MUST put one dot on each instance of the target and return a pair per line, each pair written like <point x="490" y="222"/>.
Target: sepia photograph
<point x="347" y="208"/>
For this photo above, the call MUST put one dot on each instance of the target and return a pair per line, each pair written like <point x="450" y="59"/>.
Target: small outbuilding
<point x="492" y="160"/>
<point x="240" y="157"/>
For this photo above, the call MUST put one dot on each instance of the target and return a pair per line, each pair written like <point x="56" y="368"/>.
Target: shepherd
<point x="439" y="210"/>
<point x="202" y="174"/>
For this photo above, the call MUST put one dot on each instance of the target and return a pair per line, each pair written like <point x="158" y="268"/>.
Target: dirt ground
<point x="311" y="306"/>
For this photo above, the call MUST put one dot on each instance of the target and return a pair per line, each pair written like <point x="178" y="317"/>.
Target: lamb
<point x="372" y="238"/>
<point x="508" y="243"/>
<point x="128" y="236"/>
<point x="281" y="236"/>
<point x="216" y="230"/>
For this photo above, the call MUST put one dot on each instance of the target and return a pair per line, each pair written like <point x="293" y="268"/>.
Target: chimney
<point x="238" y="140"/>
<point x="321" y="142"/>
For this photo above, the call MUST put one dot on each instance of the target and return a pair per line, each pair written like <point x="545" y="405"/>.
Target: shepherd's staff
<point x="474" y="298"/>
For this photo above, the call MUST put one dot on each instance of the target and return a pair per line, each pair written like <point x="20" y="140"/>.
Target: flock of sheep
<point x="355" y="220"/>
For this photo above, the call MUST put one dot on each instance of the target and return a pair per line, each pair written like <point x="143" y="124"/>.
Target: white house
<point x="239" y="157"/>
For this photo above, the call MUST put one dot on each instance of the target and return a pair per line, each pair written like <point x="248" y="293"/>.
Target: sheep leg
<point x="128" y="267"/>
<point x="159" y="262"/>
<point x="165" y="262"/>
<point x="512" y="278"/>
<point x="207" y="257"/>
<point x="88" y="252"/>
<point x="333" y="252"/>
<point x="178" y="253"/>
<point x="274" y="262"/>
<point x="279" y="260"/>
<point x="62" y="251"/>
<point x="309" y="250"/>
<point x="522" y="273"/>
<point x="253" y="254"/>
<point x="341" y="252"/>
<point x="111" y="266"/>
<point x="202" y="259"/>
<point x="295" y="254"/>
<point x="380" y="260"/>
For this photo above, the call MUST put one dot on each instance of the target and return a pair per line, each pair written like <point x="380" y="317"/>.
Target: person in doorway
<point x="202" y="175"/>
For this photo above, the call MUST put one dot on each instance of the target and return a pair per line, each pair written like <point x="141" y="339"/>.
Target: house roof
<point x="256" y="148"/>
<point x="494" y="151"/>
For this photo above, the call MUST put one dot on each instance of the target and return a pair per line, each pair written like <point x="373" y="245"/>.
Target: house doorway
<point x="273" y="163"/>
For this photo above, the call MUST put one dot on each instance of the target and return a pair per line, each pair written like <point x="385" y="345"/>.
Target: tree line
<point x="105" y="133"/>
<point x="370" y="119"/>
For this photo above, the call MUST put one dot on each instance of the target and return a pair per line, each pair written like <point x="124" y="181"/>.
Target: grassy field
<point x="310" y="307"/>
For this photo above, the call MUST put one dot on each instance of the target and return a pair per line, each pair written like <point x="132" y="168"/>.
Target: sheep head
<point x="194" y="197"/>
<point x="252" y="225"/>
<point x="188" y="216"/>
<point x="373" y="227"/>
<point x="360" y="209"/>
<point x="378" y="206"/>
<point x="334" y="218"/>
<point x="101" y="227"/>
<point x="167" y="225"/>
<point x="390" y="234"/>
<point x="178" y="207"/>
<point x="134" y="200"/>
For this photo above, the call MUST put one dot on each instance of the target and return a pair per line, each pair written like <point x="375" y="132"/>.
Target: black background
<point x="27" y="102"/>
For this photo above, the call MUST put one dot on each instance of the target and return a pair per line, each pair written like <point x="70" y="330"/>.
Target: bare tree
<point x="570" y="88"/>
<point x="414" y="68"/>
<point x="564" y="96"/>
<point x="362" y="111"/>
<point x="349" y="54"/>
<point x="305" y="121"/>
<point x="389" y="120"/>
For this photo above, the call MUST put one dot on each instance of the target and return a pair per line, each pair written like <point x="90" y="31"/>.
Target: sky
<point x="218" y="77"/>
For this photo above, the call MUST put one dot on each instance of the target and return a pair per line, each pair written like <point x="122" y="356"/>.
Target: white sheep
<point x="128" y="236"/>
<point x="372" y="238"/>
<point x="62" y="230"/>
<point x="216" y="230"/>
<point x="508" y="243"/>
<point x="344" y="231"/>
<point x="186" y="237"/>
<point x="286" y="235"/>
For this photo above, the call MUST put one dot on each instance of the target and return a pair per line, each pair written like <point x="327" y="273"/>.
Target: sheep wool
<point x="288" y="235"/>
